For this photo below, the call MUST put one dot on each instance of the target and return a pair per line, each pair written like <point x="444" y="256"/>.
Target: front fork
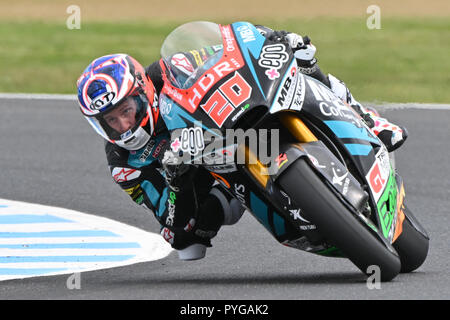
<point x="298" y="130"/>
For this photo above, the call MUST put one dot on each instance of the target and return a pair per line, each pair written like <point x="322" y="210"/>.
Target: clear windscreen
<point x="190" y="50"/>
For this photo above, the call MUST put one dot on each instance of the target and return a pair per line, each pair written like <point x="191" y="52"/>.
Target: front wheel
<point x="412" y="246"/>
<point x="335" y="222"/>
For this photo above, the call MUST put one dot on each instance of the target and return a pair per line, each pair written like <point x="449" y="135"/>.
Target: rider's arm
<point x="144" y="185"/>
<point x="174" y="208"/>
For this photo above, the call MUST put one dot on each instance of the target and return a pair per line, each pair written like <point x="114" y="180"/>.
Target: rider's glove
<point x="304" y="54"/>
<point x="173" y="169"/>
<point x="295" y="41"/>
<point x="302" y="47"/>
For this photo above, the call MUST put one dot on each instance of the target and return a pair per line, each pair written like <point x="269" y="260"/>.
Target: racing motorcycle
<point x="328" y="187"/>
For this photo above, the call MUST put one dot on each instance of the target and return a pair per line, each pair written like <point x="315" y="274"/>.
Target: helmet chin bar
<point x="137" y="140"/>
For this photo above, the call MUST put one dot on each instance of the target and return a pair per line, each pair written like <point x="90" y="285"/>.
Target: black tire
<point x="412" y="247"/>
<point x="335" y="222"/>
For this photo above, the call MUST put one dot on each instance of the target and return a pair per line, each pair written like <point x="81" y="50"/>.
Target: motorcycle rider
<point x="119" y="98"/>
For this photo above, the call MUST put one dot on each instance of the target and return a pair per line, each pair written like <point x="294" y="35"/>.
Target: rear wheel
<point x="335" y="222"/>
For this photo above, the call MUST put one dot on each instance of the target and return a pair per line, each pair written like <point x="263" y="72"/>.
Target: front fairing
<point x="248" y="72"/>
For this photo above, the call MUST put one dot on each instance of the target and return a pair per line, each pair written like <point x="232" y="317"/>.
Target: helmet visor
<point x="122" y="121"/>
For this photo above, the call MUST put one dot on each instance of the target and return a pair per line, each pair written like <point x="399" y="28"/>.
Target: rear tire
<point x="412" y="247"/>
<point x="335" y="222"/>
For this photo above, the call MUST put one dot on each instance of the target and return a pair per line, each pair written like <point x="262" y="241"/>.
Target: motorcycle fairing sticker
<point x="387" y="208"/>
<point x="383" y="187"/>
<point x="344" y="123"/>
<point x="378" y="175"/>
<point x="251" y="43"/>
<point x="291" y="91"/>
<point x="227" y="98"/>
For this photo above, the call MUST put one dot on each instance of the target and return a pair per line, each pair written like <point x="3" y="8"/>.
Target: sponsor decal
<point x="165" y="108"/>
<point x="125" y="174"/>
<point x="272" y="58"/>
<point x="174" y="93"/>
<point x="288" y="91"/>
<point x="338" y="109"/>
<point x="299" y="96"/>
<point x="102" y="100"/>
<point x="228" y="96"/>
<point x="171" y="209"/>
<point x="167" y="235"/>
<point x="197" y="57"/>
<point x="229" y="39"/>
<point x="387" y="206"/>
<point x="295" y="213"/>
<point x="158" y="148"/>
<point x="180" y="61"/>
<point x="148" y="149"/>
<point x="239" y="191"/>
<point x="339" y="179"/>
<point x="378" y="175"/>
<point x="125" y="135"/>
<point x="281" y="160"/>
<point x="237" y="115"/>
<point x="289" y="82"/>
<point x="191" y="140"/>
<point x="175" y="145"/>
<point x="246" y="33"/>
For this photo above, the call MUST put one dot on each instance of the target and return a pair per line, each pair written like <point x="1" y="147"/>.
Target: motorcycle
<point x="328" y="187"/>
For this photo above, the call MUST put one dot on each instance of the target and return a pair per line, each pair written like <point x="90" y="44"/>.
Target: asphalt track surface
<point x="50" y="155"/>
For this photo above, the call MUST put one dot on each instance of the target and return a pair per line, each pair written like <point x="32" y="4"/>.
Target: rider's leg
<point x="218" y="209"/>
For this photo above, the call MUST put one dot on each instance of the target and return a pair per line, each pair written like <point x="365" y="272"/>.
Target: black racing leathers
<point x="188" y="214"/>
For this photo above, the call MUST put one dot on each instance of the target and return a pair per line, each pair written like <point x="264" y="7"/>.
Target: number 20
<point x="230" y="95"/>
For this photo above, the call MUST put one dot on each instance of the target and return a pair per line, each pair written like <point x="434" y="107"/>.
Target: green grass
<point x="405" y="61"/>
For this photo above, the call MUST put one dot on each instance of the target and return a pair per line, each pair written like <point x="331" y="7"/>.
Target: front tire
<point x="412" y="247"/>
<point x="335" y="222"/>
